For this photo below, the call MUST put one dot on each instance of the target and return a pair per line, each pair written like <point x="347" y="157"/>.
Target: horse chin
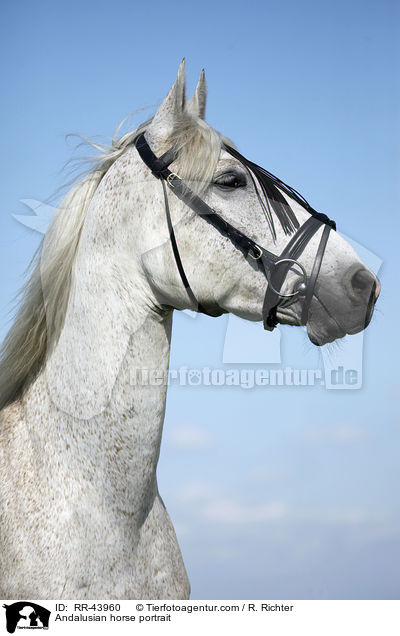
<point x="318" y="333"/>
<point x="324" y="335"/>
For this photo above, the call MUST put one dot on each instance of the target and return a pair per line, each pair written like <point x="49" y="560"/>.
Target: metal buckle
<point x="258" y="255"/>
<point x="172" y="176"/>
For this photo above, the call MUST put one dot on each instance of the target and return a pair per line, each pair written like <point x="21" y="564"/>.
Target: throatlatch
<point x="275" y="267"/>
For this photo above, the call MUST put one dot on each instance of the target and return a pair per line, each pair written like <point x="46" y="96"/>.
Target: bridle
<point x="275" y="267"/>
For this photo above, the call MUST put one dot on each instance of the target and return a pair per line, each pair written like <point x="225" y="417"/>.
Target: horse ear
<point x="172" y="106"/>
<point x="196" y="106"/>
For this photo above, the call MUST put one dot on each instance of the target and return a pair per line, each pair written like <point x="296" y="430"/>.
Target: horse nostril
<point x="363" y="281"/>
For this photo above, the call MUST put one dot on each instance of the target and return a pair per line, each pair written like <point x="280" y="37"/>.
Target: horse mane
<point x="44" y="298"/>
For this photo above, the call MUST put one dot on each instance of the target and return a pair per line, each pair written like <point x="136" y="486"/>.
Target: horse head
<point x="294" y="269"/>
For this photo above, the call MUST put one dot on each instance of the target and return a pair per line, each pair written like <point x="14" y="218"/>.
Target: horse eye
<point x="230" y="181"/>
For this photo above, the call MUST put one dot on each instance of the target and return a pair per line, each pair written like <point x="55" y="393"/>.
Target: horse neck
<point x="117" y="450"/>
<point x="87" y="402"/>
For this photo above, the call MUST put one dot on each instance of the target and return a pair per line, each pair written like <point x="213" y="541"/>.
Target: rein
<point x="275" y="267"/>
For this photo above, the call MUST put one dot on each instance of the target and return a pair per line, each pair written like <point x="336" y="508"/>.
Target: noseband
<point x="275" y="267"/>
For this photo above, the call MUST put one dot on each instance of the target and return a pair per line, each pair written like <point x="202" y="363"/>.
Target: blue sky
<point x="278" y="491"/>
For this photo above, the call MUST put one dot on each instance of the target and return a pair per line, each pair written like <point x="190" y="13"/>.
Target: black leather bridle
<point x="275" y="267"/>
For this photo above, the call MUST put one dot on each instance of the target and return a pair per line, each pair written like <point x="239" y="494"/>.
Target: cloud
<point x="231" y="511"/>
<point x="345" y="433"/>
<point x="336" y="516"/>
<point x="196" y="492"/>
<point x="188" y="437"/>
<point x="350" y="516"/>
<point x="263" y="474"/>
<point x="202" y="500"/>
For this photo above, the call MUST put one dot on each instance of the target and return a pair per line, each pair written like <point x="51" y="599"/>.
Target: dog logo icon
<point x="26" y="615"/>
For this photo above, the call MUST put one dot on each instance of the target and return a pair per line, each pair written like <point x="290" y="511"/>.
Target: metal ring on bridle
<point x="287" y="260"/>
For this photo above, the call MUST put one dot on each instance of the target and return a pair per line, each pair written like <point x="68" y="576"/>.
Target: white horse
<point x="80" y="512"/>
